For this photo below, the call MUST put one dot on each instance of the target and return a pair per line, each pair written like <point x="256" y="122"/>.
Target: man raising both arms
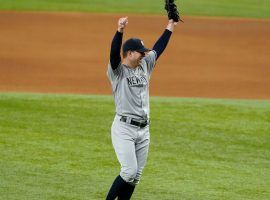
<point x="129" y="78"/>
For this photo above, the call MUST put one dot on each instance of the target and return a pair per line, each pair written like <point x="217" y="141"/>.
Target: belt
<point x="134" y="122"/>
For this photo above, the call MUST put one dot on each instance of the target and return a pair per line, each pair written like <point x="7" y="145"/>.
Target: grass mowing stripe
<point x="59" y="147"/>
<point x="226" y="8"/>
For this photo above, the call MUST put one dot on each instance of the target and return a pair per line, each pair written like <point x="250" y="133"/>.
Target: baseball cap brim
<point x="143" y="50"/>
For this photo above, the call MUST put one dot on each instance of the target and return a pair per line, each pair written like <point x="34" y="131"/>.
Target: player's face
<point x="136" y="57"/>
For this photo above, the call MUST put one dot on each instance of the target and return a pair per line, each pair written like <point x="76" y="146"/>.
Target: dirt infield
<point x="68" y="53"/>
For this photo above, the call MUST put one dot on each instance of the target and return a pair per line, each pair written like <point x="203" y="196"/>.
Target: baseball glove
<point x="172" y="11"/>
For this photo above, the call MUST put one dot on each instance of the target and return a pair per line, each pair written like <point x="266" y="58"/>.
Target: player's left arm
<point x="163" y="41"/>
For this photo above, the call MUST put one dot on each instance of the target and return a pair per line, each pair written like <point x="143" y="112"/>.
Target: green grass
<point x="227" y="8"/>
<point x="58" y="147"/>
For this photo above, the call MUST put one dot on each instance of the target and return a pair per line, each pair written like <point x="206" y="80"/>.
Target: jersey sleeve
<point x="113" y="74"/>
<point x="150" y="60"/>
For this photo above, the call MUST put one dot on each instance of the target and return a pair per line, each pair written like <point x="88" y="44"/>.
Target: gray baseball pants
<point x="131" y="145"/>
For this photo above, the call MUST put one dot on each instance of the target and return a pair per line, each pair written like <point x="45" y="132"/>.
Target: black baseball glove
<point x="172" y="11"/>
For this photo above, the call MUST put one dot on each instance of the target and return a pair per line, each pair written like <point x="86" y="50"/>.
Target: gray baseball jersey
<point x="131" y="87"/>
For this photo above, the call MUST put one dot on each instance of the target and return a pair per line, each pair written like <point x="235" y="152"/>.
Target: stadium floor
<point x="69" y="52"/>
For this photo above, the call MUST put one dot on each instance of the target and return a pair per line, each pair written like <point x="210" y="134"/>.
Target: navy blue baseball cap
<point x="134" y="44"/>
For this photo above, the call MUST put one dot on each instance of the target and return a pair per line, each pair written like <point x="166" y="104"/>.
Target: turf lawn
<point x="58" y="147"/>
<point x="227" y="8"/>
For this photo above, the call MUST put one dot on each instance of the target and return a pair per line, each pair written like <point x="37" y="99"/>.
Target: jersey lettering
<point x="138" y="81"/>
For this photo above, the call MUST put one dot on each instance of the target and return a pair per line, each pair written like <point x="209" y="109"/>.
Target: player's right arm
<point x="115" y="57"/>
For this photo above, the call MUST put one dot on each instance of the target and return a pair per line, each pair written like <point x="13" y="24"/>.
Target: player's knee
<point x="129" y="174"/>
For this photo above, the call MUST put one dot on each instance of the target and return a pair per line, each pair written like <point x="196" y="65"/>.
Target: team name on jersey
<point x="138" y="81"/>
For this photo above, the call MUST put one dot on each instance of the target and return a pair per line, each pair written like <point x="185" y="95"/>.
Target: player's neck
<point x="129" y="64"/>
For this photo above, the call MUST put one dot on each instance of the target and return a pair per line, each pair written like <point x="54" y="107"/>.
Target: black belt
<point x="134" y="122"/>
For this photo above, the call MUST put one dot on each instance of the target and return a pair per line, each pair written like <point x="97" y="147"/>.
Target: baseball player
<point x="129" y="78"/>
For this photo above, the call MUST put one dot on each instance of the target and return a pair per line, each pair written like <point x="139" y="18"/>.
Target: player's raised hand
<point x="122" y="23"/>
<point x="171" y="25"/>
